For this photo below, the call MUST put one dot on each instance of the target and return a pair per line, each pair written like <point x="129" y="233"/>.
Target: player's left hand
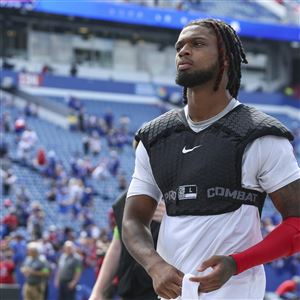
<point x="223" y="268"/>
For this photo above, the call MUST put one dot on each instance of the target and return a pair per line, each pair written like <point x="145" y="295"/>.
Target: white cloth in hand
<point x="189" y="288"/>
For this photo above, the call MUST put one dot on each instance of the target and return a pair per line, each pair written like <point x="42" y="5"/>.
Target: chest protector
<point x="200" y="173"/>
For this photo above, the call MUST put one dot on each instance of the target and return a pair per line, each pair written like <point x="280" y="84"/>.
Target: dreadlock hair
<point x="229" y="47"/>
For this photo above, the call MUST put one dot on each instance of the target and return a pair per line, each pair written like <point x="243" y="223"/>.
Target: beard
<point x="195" y="78"/>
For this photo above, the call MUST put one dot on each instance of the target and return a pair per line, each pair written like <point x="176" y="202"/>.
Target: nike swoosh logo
<point x="184" y="150"/>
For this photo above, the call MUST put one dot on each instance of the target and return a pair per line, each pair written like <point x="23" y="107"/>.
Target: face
<point x="68" y="248"/>
<point x="196" y="56"/>
<point x="32" y="252"/>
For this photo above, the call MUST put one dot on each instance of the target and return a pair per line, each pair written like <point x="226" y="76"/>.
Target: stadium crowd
<point x="70" y="194"/>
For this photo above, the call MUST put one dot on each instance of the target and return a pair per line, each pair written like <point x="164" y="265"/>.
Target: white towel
<point x="189" y="288"/>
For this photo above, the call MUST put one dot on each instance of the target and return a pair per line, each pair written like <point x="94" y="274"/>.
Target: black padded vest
<point x="200" y="173"/>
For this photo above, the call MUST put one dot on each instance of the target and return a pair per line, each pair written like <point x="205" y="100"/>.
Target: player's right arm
<point x="137" y="238"/>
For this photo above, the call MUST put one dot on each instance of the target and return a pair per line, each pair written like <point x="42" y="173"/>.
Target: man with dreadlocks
<point x="213" y="162"/>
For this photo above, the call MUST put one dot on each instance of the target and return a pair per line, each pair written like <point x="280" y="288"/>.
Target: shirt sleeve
<point x="269" y="164"/>
<point x="143" y="182"/>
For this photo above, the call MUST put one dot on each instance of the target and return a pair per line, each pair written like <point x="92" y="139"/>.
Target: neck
<point x="204" y="103"/>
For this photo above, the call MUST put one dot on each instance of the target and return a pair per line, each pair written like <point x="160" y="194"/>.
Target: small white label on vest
<point x="187" y="192"/>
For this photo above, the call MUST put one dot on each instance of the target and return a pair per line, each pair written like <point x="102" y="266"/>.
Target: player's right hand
<point x="167" y="280"/>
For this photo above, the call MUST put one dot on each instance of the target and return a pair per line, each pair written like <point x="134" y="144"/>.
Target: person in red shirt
<point x="10" y="221"/>
<point x="7" y="269"/>
<point x="41" y="157"/>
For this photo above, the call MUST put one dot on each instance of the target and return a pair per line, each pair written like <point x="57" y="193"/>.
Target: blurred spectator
<point x="86" y="144"/>
<point x="10" y="221"/>
<point x="95" y="143"/>
<point x="18" y="246"/>
<point x="69" y="234"/>
<point x="22" y="213"/>
<point x="83" y="167"/>
<point x="54" y="236"/>
<point x="7" y="268"/>
<point x="288" y="289"/>
<point x="112" y="139"/>
<point x="81" y="119"/>
<point x="87" y="197"/>
<point x="27" y="111"/>
<point x="22" y="194"/>
<point x="102" y="127"/>
<point x="94" y="232"/>
<point x="36" y="271"/>
<point x="35" y="223"/>
<point x="30" y="110"/>
<point x="46" y="248"/>
<point x="63" y="201"/>
<point x="74" y="103"/>
<point x="114" y="163"/>
<point x="68" y="272"/>
<point x="117" y="139"/>
<point x="106" y="235"/>
<point x="26" y="145"/>
<point x="124" y="122"/>
<point x="87" y="219"/>
<point x="73" y="69"/>
<point x="101" y="170"/>
<point x="100" y="254"/>
<point x="7" y="203"/>
<point x="91" y="123"/>
<point x="72" y="121"/>
<point x="22" y="206"/>
<point x="8" y="180"/>
<point x="52" y="193"/>
<point x="109" y="119"/>
<point x="75" y="189"/>
<point x="122" y="182"/>
<point x="3" y="147"/>
<point x="6" y="122"/>
<point x="5" y="164"/>
<point x="50" y="169"/>
<point x="20" y="125"/>
<point x="46" y="69"/>
<point x="60" y="173"/>
<point x="40" y="159"/>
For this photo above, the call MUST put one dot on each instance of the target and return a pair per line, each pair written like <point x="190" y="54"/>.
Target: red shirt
<point x="6" y="272"/>
<point x="41" y="157"/>
<point x="11" y="221"/>
<point x="286" y="286"/>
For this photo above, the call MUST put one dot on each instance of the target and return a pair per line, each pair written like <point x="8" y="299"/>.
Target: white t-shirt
<point x="186" y="241"/>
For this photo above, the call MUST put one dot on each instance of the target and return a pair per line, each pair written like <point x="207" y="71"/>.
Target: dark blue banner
<point x="117" y="87"/>
<point x="157" y="17"/>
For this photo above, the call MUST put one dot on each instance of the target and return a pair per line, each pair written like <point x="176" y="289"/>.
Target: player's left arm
<point x="283" y="241"/>
<point x="287" y="200"/>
